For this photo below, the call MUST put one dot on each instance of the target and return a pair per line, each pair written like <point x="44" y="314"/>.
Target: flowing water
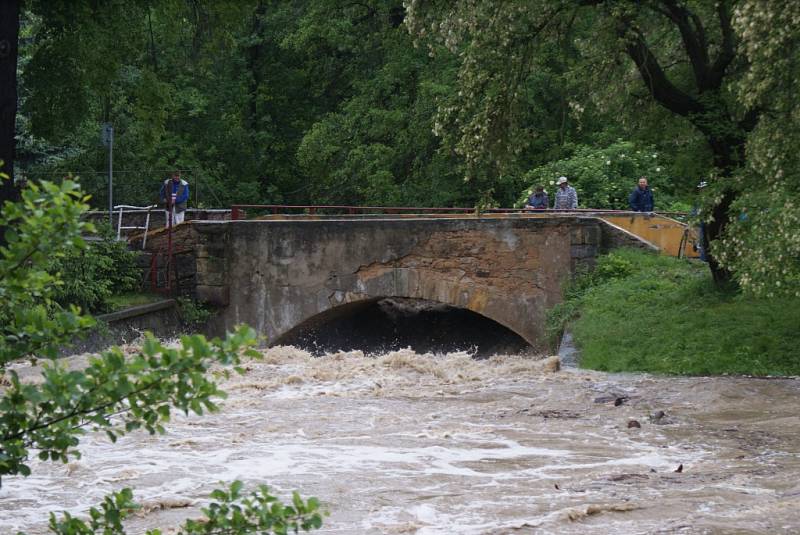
<point x="405" y="443"/>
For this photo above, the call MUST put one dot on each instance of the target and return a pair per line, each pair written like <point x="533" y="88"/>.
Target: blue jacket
<point x="641" y="200"/>
<point x="180" y="189"/>
<point x="539" y="200"/>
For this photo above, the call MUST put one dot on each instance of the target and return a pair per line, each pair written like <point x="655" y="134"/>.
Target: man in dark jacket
<point x="641" y="198"/>
<point x="538" y="200"/>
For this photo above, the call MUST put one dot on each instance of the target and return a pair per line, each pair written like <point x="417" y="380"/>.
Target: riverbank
<point x="648" y="313"/>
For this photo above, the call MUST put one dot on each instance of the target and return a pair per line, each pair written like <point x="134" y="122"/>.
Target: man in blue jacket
<point x="538" y="200"/>
<point x="641" y="198"/>
<point x="175" y="194"/>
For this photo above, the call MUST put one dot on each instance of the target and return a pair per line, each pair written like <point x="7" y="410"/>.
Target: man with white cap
<point x="566" y="196"/>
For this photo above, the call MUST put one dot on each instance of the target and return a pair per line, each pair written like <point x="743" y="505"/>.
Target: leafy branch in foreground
<point x="43" y="226"/>
<point x="231" y="514"/>
<point x="114" y="393"/>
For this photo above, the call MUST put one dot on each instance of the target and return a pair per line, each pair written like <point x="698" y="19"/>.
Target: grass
<point x="131" y="299"/>
<point x="642" y="312"/>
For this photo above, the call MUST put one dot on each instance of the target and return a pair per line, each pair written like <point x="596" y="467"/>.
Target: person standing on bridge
<point x="538" y="200"/>
<point x="175" y="194"/>
<point x="641" y="198"/>
<point x="566" y="196"/>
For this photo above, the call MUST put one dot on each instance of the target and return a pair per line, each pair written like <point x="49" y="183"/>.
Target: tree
<point x="9" y="44"/>
<point x="763" y="242"/>
<point x="114" y="393"/>
<point x="685" y="54"/>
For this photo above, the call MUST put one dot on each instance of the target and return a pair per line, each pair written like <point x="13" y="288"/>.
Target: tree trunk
<point x="713" y="231"/>
<point x="729" y="154"/>
<point x="9" y="43"/>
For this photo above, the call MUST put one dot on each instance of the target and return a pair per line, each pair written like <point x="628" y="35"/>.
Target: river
<point x="404" y="443"/>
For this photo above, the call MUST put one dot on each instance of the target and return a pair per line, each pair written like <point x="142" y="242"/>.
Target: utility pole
<point x="108" y="141"/>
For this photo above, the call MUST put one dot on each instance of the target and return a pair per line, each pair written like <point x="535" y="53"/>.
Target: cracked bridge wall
<point x="276" y="275"/>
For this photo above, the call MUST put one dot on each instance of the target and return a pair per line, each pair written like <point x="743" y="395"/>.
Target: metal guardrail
<point x="238" y="211"/>
<point x="128" y="209"/>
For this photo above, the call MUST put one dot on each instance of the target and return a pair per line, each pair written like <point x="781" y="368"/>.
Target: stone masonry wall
<point x="274" y="275"/>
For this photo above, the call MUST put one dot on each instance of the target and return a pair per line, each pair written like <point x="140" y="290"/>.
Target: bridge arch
<point x="378" y="324"/>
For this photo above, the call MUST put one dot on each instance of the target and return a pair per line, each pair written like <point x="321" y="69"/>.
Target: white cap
<point x="561" y="180"/>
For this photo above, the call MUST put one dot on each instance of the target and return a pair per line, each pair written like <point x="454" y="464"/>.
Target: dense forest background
<point x="429" y="103"/>
<point x="312" y="101"/>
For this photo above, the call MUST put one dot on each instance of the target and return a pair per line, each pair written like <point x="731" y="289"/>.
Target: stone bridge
<point x="283" y="275"/>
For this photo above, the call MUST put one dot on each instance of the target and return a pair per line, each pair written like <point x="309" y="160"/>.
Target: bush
<point x="605" y="177"/>
<point x="612" y="266"/>
<point x="89" y="277"/>
<point x="192" y="313"/>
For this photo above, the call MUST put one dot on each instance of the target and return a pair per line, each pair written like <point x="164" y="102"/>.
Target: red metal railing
<point x="238" y="210"/>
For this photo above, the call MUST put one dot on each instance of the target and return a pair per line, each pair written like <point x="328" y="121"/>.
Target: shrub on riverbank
<point x="643" y="312"/>
<point x="90" y="277"/>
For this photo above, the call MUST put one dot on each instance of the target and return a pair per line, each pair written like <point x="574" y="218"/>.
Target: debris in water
<point x="634" y="424"/>
<point x="657" y="416"/>
<point x="160" y="505"/>
<point x="578" y="514"/>
<point x="618" y="399"/>
<point x="625" y="477"/>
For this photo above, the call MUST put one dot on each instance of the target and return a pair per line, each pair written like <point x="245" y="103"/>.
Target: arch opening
<point x="390" y="323"/>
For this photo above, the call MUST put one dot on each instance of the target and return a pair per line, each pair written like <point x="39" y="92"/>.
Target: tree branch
<point x="694" y="41"/>
<point x="660" y="87"/>
<point x="728" y="48"/>
<point x="77" y="411"/>
<point x="750" y="119"/>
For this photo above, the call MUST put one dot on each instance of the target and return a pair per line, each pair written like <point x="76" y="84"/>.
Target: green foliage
<point x="89" y="277"/>
<point x="762" y="245"/>
<point x="192" y="313"/>
<point x="603" y="178"/>
<point x="232" y="513"/>
<point x="121" y="301"/>
<point x="44" y="226"/>
<point x="115" y="393"/>
<point x="259" y="513"/>
<point x="609" y="267"/>
<point x="372" y="102"/>
<point x="106" y="520"/>
<point x="663" y="315"/>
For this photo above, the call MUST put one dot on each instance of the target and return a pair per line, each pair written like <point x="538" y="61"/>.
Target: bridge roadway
<point x="284" y="273"/>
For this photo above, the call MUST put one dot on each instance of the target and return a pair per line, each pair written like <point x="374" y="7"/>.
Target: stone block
<point x="185" y="265"/>
<point x="213" y="295"/>
<point x="143" y="260"/>
<point x="592" y="235"/>
<point x="583" y="251"/>
<point x="211" y="278"/>
<point x="576" y="235"/>
<point x="210" y="264"/>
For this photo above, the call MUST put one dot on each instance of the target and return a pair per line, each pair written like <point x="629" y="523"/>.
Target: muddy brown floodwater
<point x="424" y="444"/>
